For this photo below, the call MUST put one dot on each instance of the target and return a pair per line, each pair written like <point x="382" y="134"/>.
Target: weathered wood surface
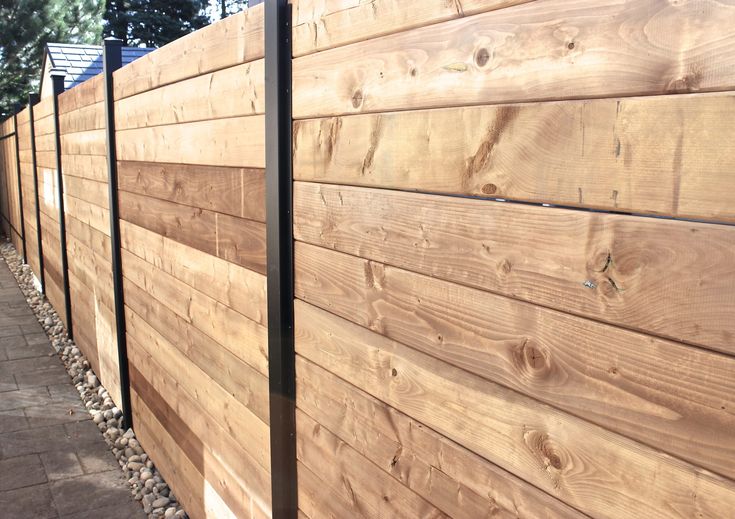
<point x="614" y="268"/>
<point x="88" y="93"/>
<point x="598" y="472"/>
<point x="235" y="191"/>
<point x="555" y="49"/>
<point x="667" y="395"/>
<point x="237" y="141"/>
<point x="668" y="155"/>
<point x="91" y="117"/>
<point x="320" y="24"/>
<point x="231" y="92"/>
<point x="234" y="239"/>
<point x="455" y="480"/>
<point x="234" y="40"/>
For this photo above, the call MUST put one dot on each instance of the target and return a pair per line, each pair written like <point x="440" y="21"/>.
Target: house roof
<point x="82" y="62"/>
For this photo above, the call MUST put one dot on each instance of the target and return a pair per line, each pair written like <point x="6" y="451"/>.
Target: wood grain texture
<point x="597" y="472"/>
<point x="235" y="191"/>
<point x="210" y="396"/>
<point x="320" y="24"/>
<point x="91" y="117"/>
<point x="234" y="239"/>
<point x="89" y="92"/>
<point x="556" y="49"/>
<point x="455" y="480"/>
<point x="244" y="338"/>
<point x="234" y="40"/>
<point x="318" y="499"/>
<point x="232" y="285"/>
<point x="668" y="155"/>
<point x="231" y="92"/>
<point x="92" y="167"/>
<point x="618" y="269"/>
<point x="91" y="142"/>
<point x="237" y="142"/>
<point x="90" y="191"/>
<point x="664" y="394"/>
<point x="24" y="116"/>
<point x="43" y="108"/>
<point x="372" y="492"/>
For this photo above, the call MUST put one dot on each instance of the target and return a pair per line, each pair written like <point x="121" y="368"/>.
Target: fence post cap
<point x="57" y="72"/>
<point x="111" y="41"/>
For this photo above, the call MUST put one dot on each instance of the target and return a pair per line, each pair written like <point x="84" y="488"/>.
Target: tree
<point x="153" y="23"/>
<point x="25" y="28"/>
<point x="228" y="7"/>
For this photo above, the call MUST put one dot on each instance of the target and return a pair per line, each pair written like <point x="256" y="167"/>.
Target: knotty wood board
<point x="234" y="239"/>
<point x="615" y="268"/>
<point x="90" y="214"/>
<point x="246" y="339"/>
<point x="555" y="49"/>
<point x="320" y="25"/>
<point x="242" y="424"/>
<point x="598" y="472"/>
<point x="455" y="480"/>
<point x="231" y="92"/>
<point x="669" y="155"/>
<point x="236" y="141"/>
<point x="318" y="499"/>
<point x="235" y="191"/>
<point x="236" y="39"/>
<point x="670" y="396"/>
<point x="232" y="285"/>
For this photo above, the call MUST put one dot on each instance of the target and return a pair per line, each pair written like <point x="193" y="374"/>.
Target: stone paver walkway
<point x="54" y="463"/>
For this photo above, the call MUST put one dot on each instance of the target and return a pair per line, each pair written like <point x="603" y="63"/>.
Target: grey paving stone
<point x="129" y="510"/>
<point x="12" y="420"/>
<point x="55" y="413"/>
<point x="38" y="338"/>
<point x="49" y="376"/>
<point x="7" y="382"/>
<point x="96" y="457"/>
<point x="25" y="365"/>
<point x="27" y="351"/>
<point x="61" y="464"/>
<point x="64" y="392"/>
<point x="22" y="471"/>
<point x="30" y="441"/>
<point x="24" y="398"/>
<point x="9" y="331"/>
<point x="90" y="492"/>
<point x="83" y="432"/>
<point x="28" y="503"/>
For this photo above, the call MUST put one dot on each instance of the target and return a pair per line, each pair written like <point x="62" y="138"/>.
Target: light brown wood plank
<point x="43" y="108"/>
<point x="89" y="92"/>
<point x="237" y="141"/>
<point x="231" y="92"/>
<point x="345" y="471"/>
<point x="92" y="167"/>
<point x="242" y="242"/>
<point x="235" y="191"/>
<point x="318" y="499"/>
<point x="453" y="479"/>
<point x="91" y="117"/>
<point x="618" y="269"/>
<point x="246" y="339"/>
<point x="91" y="142"/>
<point x="320" y="25"/>
<point x="93" y="215"/>
<point x="91" y="191"/>
<point x="669" y="155"/>
<point x="598" y="472"/>
<point x="236" y="39"/>
<point x="237" y="287"/>
<point x="555" y="49"/>
<point x="24" y="116"/>
<point x="667" y="395"/>
<point x="236" y="418"/>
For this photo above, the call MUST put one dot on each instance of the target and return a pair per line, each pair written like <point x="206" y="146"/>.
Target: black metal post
<point x="57" y="79"/>
<point x="112" y="60"/>
<point x="20" y="190"/>
<point x="279" y="239"/>
<point x="32" y="100"/>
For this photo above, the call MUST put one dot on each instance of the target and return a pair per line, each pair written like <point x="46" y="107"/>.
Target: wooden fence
<point x="513" y="256"/>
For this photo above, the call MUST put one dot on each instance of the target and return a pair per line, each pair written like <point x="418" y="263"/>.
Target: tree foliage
<point x="25" y="28"/>
<point x="153" y="23"/>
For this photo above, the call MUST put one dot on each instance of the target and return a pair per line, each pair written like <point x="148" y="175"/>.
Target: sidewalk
<point x="54" y="463"/>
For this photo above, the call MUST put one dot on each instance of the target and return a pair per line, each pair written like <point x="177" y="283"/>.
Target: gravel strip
<point x="146" y="483"/>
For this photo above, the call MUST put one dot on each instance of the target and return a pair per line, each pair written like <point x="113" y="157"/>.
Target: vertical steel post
<point x="20" y="190"/>
<point x="279" y="239"/>
<point x="32" y="100"/>
<point x="112" y="60"/>
<point x="57" y="79"/>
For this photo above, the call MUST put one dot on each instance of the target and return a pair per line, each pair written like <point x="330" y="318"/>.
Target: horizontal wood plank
<point x="235" y="191"/>
<point x="236" y="39"/>
<point x="555" y="49"/>
<point x="614" y="268"/>
<point x="90" y="142"/>
<point x="237" y="142"/>
<point x="91" y="117"/>
<point x="670" y="396"/>
<point x="668" y="155"/>
<point x="597" y="472"/>
<point x="231" y="92"/>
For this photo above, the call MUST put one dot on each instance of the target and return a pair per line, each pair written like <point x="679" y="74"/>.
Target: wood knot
<point x="570" y="46"/>
<point x="357" y="99"/>
<point x="531" y="360"/>
<point x="544" y="449"/>
<point x="489" y="189"/>
<point x="505" y="267"/>
<point x="413" y="72"/>
<point x="482" y="56"/>
<point x="393" y="372"/>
